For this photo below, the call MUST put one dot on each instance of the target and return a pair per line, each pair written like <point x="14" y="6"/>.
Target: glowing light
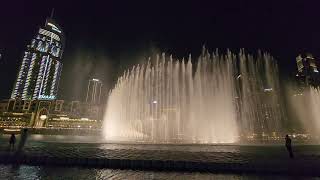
<point x="267" y="89"/>
<point x="18" y="114"/>
<point x="45" y="97"/>
<point x="64" y="118"/>
<point x="54" y="27"/>
<point x="43" y="117"/>
<point x="12" y="130"/>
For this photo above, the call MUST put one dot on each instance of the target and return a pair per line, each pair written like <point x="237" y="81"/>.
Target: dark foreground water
<point x="41" y="172"/>
<point x="77" y="146"/>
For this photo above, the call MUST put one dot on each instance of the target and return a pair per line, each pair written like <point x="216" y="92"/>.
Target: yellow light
<point x="12" y="130"/>
<point x="43" y="117"/>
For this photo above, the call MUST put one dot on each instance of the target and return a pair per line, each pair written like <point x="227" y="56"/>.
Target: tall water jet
<point x="315" y="113"/>
<point x="167" y="100"/>
<point x="304" y="104"/>
<point x="261" y="108"/>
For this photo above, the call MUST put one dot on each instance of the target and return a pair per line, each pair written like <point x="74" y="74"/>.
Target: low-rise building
<point x="49" y="113"/>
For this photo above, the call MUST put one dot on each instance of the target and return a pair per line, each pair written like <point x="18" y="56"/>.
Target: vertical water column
<point x="165" y="101"/>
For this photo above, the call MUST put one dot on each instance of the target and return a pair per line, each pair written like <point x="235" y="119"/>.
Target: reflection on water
<point x="57" y="138"/>
<point x="41" y="172"/>
<point x="19" y="172"/>
<point x="171" y="147"/>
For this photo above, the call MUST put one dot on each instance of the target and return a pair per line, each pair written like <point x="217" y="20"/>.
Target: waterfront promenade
<point x="270" y="159"/>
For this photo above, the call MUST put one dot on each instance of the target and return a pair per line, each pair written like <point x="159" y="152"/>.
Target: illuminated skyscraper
<point x="39" y="73"/>
<point x="308" y="71"/>
<point x="94" y="91"/>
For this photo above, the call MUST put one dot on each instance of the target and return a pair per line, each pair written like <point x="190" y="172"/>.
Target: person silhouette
<point x="289" y="146"/>
<point x="12" y="141"/>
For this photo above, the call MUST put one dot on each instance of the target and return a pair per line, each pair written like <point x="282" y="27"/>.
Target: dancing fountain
<point x="216" y="101"/>
<point x="304" y="106"/>
<point x="314" y="106"/>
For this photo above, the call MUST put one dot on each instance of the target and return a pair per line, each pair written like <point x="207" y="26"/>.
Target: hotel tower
<point x="40" y="70"/>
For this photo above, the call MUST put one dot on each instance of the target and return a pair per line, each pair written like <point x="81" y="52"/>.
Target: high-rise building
<point x="39" y="73"/>
<point x="306" y="64"/>
<point x="94" y="91"/>
<point x="308" y="72"/>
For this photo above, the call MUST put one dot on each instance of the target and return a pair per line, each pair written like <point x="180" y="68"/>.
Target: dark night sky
<point x="104" y="37"/>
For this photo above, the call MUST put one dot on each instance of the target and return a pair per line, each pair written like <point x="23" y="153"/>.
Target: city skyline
<point x="105" y="39"/>
<point x="159" y="89"/>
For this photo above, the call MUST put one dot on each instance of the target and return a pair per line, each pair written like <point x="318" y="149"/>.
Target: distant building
<point x="308" y="70"/>
<point x="39" y="73"/>
<point x="49" y="113"/>
<point x="94" y="92"/>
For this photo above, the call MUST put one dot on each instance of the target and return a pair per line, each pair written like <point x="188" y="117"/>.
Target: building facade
<point x="308" y="72"/>
<point x="94" y="92"/>
<point x="49" y="113"/>
<point x="39" y="73"/>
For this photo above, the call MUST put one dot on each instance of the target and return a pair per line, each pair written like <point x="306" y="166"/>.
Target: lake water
<point x="83" y="146"/>
<point x="45" y="172"/>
